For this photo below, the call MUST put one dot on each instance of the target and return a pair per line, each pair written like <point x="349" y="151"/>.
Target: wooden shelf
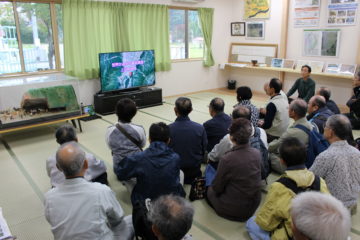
<point x="288" y="70"/>
<point x="6" y="130"/>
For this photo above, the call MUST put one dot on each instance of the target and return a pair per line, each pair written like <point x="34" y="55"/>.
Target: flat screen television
<point x="126" y="70"/>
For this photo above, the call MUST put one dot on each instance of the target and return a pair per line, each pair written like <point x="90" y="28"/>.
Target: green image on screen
<point x="122" y="70"/>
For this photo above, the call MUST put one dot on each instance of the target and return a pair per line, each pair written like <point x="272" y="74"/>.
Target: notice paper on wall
<point x="342" y="12"/>
<point x="4" y="229"/>
<point x="306" y="13"/>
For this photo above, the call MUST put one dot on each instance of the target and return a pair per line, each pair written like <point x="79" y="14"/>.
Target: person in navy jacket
<point x="188" y="139"/>
<point x="217" y="127"/>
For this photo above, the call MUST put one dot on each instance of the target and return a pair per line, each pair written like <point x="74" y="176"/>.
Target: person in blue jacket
<point x="157" y="169"/>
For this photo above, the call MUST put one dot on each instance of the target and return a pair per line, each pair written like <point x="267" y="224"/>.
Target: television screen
<point x="123" y="70"/>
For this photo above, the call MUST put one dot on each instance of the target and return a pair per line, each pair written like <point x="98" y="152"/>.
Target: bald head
<point x="299" y="108"/>
<point x="217" y="105"/>
<point x="70" y="159"/>
<point x="315" y="103"/>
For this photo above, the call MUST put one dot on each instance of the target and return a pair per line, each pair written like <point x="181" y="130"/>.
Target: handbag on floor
<point x="198" y="189"/>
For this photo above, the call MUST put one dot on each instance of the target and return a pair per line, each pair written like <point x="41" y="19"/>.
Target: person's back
<point x="235" y="192"/>
<point x="156" y="169"/>
<point x="297" y="111"/>
<point x="188" y="139"/>
<point x="273" y="218"/>
<point x="243" y="96"/>
<point x="96" y="171"/>
<point x="217" y="127"/>
<point x="77" y="209"/>
<point x="276" y="118"/>
<point x="119" y="143"/>
<point x="339" y="165"/>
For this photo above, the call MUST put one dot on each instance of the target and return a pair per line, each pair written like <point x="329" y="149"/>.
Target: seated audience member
<point x="117" y="136"/>
<point x="276" y="115"/>
<point x="326" y="93"/>
<point x="96" y="171"/>
<point x="339" y="165"/>
<point x="235" y="192"/>
<point x="217" y="127"/>
<point x="156" y="169"/>
<point x="354" y="115"/>
<point x="226" y="144"/>
<point x="319" y="216"/>
<point x="297" y="111"/>
<point x="171" y="217"/>
<point x="318" y="112"/>
<point x="78" y="209"/>
<point x="273" y="220"/>
<point x="188" y="139"/>
<point x="266" y="90"/>
<point x="243" y="97"/>
<point x="304" y="85"/>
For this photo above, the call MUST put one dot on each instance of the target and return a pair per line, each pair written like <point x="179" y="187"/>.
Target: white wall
<point x="350" y="36"/>
<point x="256" y="79"/>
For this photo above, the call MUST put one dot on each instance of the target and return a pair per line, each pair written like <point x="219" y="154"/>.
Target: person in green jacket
<point x="273" y="220"/>
<point x="305" y="85"/>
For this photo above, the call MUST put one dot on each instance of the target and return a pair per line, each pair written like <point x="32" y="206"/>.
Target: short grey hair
<point x="172" y="215"/>
<point x="299" y="106"/>
<point x="320" y="216"/>
<point x="340" y="125"/>
<point x="73" y="161"/>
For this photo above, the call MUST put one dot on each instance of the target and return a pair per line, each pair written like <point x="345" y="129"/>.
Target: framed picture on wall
<point x="238" y="29"/>
<point x="255" y="30"/>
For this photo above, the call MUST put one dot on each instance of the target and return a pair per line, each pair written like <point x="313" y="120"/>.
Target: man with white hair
<point x="339" y="165"/>
<point x="319" y="216"/>
<point x="171" y="217"/>
<point x="78" y="209"/>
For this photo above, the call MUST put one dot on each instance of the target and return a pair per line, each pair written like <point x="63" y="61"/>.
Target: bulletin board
<point x="245" y="52"/>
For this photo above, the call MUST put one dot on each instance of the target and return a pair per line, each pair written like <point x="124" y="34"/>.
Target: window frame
<point x="186" y="59"/>
<point x="55" y="35"/>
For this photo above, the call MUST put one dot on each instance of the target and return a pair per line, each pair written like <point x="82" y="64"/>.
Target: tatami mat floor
<point x="23" y="178"/>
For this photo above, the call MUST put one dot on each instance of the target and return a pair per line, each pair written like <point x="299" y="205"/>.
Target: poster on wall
<point x="342" y="12"/>
<point x="306" y="13"/>
<point x="321" y="42"/>
<point x="257" y="9"/>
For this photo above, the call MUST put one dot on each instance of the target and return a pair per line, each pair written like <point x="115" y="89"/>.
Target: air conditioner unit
<point x="188" y="1"/>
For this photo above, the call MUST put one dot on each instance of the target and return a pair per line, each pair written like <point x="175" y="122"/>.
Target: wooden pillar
<point x="284" y="33"/>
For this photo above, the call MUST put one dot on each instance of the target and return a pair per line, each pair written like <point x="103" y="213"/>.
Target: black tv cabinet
<point x="147" y="97"/>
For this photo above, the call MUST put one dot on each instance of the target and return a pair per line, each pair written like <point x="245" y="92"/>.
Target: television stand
<point x="144" y="97"/>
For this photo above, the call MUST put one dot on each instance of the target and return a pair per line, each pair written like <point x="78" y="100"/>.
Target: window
<point x="30" y="37"/>
<point x="186" y="38"/>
